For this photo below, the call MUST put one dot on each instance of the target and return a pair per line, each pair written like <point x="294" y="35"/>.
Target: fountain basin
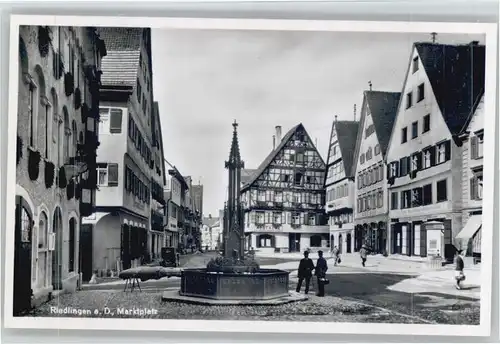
<point x="265" y="284"/>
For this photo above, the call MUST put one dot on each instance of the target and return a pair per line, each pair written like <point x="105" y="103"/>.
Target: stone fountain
<point x="232" y="278"/>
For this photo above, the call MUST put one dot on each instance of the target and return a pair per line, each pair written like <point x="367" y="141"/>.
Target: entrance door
<point x="397" y="239"/>
<point x="22" y="257"/>
<point x="85" y="252"/>
<point x="340" y="244"/>
<point x="57" y="256"/>
<point x="348" y="242"/>
<point x="294" y="242"/>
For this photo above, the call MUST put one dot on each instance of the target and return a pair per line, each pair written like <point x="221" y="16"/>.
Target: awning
<point x="473" y="225"/>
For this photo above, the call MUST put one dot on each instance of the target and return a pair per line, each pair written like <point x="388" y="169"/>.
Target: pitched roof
<point x="272" y="155"/>
<point x="347" y="132"/>
<point x="246" y="175"/>
<point x="383" y="109"/>
<point x="120" y="65"/>
<point x="456" y="74"/>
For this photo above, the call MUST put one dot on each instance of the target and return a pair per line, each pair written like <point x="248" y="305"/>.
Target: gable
<point x="296" y="145"/>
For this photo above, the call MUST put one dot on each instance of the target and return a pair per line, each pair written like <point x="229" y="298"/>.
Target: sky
<point x="203" y="80"/>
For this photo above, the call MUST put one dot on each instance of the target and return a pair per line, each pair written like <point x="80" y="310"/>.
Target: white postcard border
<point x="484" y="329"/>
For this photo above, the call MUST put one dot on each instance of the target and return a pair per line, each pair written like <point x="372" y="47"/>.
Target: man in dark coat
<point x="320" y="272"/>
<point x="306" y="267"/>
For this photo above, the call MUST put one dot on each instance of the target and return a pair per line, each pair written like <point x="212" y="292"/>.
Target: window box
<point x="49" y="174"/>
<point x="78" y="98"/>
<point x="44" y="40"/>
<point x="33" y="163"/>
<point x="19" y="149"/>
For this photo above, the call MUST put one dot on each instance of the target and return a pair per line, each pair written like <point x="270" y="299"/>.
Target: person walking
<point x="306" y="267"/>
<point x="459" y="269"/>
<point x="320" y="272"/>
<point x="336" y="255"/>
<point x="363" y="253"/>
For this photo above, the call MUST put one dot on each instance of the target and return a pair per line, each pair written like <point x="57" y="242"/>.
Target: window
<point x="277" y="217"/>
<point x="107" y="175"/>
<point x="31" y="114"/>
<point x="427" y="123"/>
<point x="296" y="218"/>
<point x="311" y="219"/>
<point x="476" y="188"/>
<point x="377" y="149"/>
<point x="394" y="200"/>
<point x="421" y="92"/>
<point x="443" y="152"/>
<point x="416" y="162"/>
<point x="476" y="146"/>
<point x="427" y="153"/>
<point x="369" y="130"/>
<point x="138" y="91"/>
<point x="415" y="65"/>
<point x="404" y="135"/>
<point x="369" y="154"/>
<point x="416" y="197"/>
<point x="298" y="179"/>
<point x="414" y="130"/>
<point x="362" y="158"/>
<point x="259" y="217"/>
<point x="409" y="100"/>
<point x="380" y="199"/>
<point x="427" y="194"/>
<point x="115" y="123"/>
<point x="269" y="196"/>
<point x="405" y="199"/>
<point x="278" y="196"/>
<point x="442" y="192"/>
<point x="102" y="176"/>
<point x="393" y="169"/>
<point x="404" y="166"/>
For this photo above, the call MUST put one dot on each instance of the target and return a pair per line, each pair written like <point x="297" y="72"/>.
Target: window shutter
<point x="447" y="150"/>
<point x="289" y="218"/>
<point x="432" y="150"/>
<point x="273" y="241"/>
<point x="112" y="174"/>
<point x="127" y="179"/>
<point x="397" y="169"/>
<point x="306" y="219"/>
<point x="423" y="241"/>
<point x="419" y="161"/>
<point x="473" y="188"/>
<point x="473" y="147"/>
<point x="389" y="170"/>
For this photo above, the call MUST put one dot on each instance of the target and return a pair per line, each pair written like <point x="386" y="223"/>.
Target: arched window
<point x="74" y="136"/>
<point x="67" y="136"/>
<point x="41" y="111"/>
<point x="56" y="129"/>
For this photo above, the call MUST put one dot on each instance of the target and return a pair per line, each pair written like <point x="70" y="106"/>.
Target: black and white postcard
<point x="250" y="175"/>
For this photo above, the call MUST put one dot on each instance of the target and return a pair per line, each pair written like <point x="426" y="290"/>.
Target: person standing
<point x="336" y="255"/>
<point x="306" y="267"/>
<point x="363" y="253"/>
<point x="459" y="269"/>
<point x="320" y="272"/>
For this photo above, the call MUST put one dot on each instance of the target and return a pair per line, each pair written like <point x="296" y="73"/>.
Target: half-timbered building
<point x="378" y="112"/>
<point x="283" y="199"/>
<point x="339" y="185"/>
<point x="443" y="87"/>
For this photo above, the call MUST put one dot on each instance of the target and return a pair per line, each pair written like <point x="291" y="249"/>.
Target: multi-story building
<point x="210" y="233"/>
<point x="58" y="106"/>
<point x="157" y="234"/>
<point x="120" y="226"/>
<point x="472" y="182"/>
<point x="378" y="113"/>
<point x="442" y="88"/>
<point x="339" y="184"/>
<point x="283" y="199"/>
<point x="175" y="191"/>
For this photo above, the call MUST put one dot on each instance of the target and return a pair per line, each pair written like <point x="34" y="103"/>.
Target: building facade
<point x="120" y="227"/>
<point x="175" y="197"/>
<point x="339" y="185"/>
<point x="210" y="233"/>
<point x="157" y="235"/>
<point x="472" y="183"/>
<point x="378" y="113"/>
<point x="283" y="199"/>
<point x="58" y="106"/>
<point x="425" y="154"/>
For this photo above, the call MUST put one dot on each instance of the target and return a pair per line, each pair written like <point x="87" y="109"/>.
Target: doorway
<point x="348" y="242"/>
<point x="340" y="244"/>
<point x="85" y="252"/>
<point x="294" y="242"/>
<point x="22" y="257"/>
<point x="397" y="239"/>
<point x="57" y="255"/>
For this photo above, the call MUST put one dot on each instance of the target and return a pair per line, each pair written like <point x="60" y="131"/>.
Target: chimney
<point x="278" y="134"/>
<point x="274" y="142"/>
